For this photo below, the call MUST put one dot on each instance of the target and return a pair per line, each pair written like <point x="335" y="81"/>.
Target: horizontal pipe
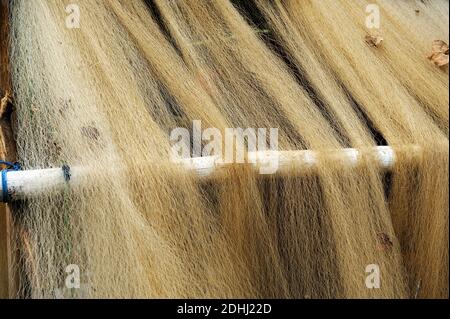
<point x="28" y="183"/>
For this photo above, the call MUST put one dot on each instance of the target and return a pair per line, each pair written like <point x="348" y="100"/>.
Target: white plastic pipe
<point x="25" y="184"/>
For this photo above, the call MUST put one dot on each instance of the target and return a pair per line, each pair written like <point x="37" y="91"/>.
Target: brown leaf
<point x="439" y="53"/>
<point x="374" y="40"/>
<point x="385" y="242"/>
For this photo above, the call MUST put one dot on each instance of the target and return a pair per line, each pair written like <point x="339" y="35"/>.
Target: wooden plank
<point x="8" y="279"/>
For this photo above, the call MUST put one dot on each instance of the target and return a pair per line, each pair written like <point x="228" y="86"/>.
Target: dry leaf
<point x="374" y="41"/>
<point x="385" y="242"/>
<point x="439" y="53"/>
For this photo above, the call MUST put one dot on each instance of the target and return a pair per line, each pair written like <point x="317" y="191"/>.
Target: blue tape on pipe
<point x="9" y="167"/>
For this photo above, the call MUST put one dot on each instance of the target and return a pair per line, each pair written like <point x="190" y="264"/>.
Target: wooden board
<point x="8" y="279"/>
